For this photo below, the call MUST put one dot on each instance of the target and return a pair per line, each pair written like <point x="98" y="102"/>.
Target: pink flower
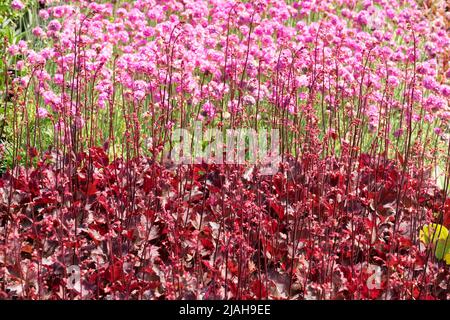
<point x="23" y="81"/>
<point x="437" y="130"/>
<point x="249" y="100"/>
<point x="393" y="81"/>
<point x="58" y="78"/>
<point x="38" y="32"/>
<point x="58" y="11"/>
<point x="169" y="125"/>
<point x="43" y="14"/>
<point x="398" y="133"/>
<point x="390" y="13"/>
<point x="361" y="18"/>
<point x="233" y="106"/>
<point x="79" y="122"/>
<point x="13" y="50"/>
<point x="429" y="83"/>
<point x="51" y="99"/>
<point x="54" y="25"/>
<point x="42" y="113"/>
<point x="22" y="45"/>
<point x="17" y="5"/>
<point x="445" y="90"/>
<point x="20" y="65"/>
<point x="139" y="94"/>
<point x="102" y="100"/>
<point x="302" y="81"/>
<point x="209" y="109"/>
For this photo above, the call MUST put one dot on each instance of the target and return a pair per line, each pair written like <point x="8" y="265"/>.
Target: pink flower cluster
<point x="17" y="5"/>
<point x="385" y="49"/>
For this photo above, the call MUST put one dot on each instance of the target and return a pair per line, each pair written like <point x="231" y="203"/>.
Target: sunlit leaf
<point x="442" y="248"/>
<point x="432" y="233"/>
<point x="447" y="258"/>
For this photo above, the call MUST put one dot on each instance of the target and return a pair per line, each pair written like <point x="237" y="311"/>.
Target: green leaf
<point x="432" y="233"/>
<point x="447" y="258"/>
<point x="442" y="248"/>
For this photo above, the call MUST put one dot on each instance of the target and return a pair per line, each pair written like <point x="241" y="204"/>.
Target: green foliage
<point x="442" y="249"/>
<point x="437" y="236"/>
<point x="7" y="13"/>
<point x="432" y="233"/>
<point x="14" y="26"/>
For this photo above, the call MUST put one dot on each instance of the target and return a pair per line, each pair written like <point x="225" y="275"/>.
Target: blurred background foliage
<point x="15" y="25"/>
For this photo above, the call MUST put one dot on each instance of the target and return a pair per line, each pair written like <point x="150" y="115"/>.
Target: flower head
<point x="17" y="5"/>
